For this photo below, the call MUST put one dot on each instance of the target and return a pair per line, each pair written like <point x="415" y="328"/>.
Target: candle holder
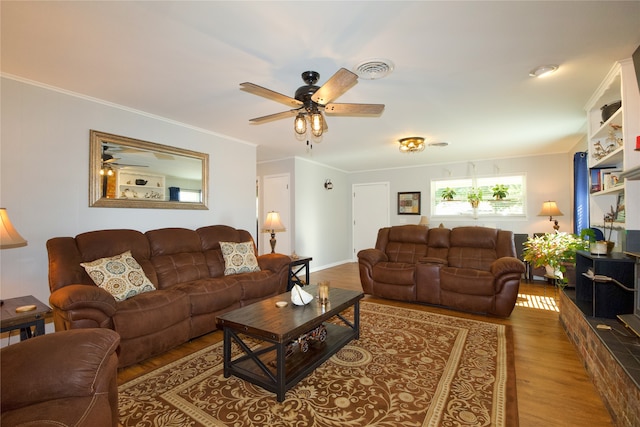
<point x="323" y="292"/>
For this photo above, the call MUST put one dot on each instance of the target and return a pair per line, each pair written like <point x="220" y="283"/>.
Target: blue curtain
<point x="580" y="192"/>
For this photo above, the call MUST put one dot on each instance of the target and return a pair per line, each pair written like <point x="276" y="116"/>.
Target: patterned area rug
<point x="409" y="368"/>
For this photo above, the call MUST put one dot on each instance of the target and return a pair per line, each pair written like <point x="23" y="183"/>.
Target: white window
<point x="512" y="188"/>
<point x="194" y="196"/>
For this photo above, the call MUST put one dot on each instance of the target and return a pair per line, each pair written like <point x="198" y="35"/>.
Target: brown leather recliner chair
<point x="66" y="378"/>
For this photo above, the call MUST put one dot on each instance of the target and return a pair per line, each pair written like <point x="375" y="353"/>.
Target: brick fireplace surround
<point x="611" y="357"/>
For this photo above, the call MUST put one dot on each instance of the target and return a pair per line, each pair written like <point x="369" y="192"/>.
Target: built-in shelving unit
<point x="611" y="150"/>
<point x="140" y="185"/>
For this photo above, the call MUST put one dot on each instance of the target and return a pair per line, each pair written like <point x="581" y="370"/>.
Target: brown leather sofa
<point x="471" y="269"/>
<point x="62" y="379"/>
<point x="187" y="269"/>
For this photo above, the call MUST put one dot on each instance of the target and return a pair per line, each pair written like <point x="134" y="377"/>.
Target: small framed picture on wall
<point x="409" y="203"/>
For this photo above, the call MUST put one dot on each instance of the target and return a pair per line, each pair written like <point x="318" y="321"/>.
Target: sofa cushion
<point x="119" y="275"/>
<point x="395" y="273"/>
<point x="467" y="281"/>
<point x="151" y="312"/>
<point x="211" y="295"/>
<point x="239" y="258"/>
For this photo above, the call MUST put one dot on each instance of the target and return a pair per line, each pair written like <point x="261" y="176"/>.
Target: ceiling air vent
<point x="373" y="69"/>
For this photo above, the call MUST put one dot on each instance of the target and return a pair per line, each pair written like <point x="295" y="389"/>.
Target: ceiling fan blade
<point x="354" y="109"/>
<point x="163" y="156"/>
<point x="123" y="165"/>
<point x="270" y="94"/>
<point x="272" y="117"/>
<point x="338" y="84"/>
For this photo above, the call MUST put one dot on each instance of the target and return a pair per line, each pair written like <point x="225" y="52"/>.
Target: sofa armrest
<point x="433" y="260"/>
<point x="273" y="262"/>
<point x="82" y="306"/>
<point x="507" y="265"/>
<point x="54" y="366"/>
<point x="372" y="256"/>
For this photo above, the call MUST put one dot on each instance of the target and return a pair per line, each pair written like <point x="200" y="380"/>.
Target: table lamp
<point x="271" y="225"/>
<point x="9" y="236"/>
<point x="550" y="209"/>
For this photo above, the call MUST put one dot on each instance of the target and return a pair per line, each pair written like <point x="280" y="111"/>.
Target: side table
<point x="295" y="267"/>
<point x="11" y="320"/>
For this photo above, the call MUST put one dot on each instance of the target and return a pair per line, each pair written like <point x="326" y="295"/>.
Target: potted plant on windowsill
<point x="448" y="194"/>
<point x="474" y="196"/>
<point x="500" y="191"/>
<point x="554" y="251"/>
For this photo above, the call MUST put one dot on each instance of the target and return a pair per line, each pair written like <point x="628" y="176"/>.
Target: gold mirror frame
<point x="96" y="198"/>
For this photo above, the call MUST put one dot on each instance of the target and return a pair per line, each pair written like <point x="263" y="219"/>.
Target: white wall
<point x="322" y="218"/>
<point x="44" y="177"/>
<point x="549" y="177"/>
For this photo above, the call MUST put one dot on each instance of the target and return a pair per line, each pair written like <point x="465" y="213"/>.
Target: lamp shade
<point x="273" y="223"/>
<point x="9" y="236"/>
<point x="424" y="221"/>
<point x="550" y="208"/>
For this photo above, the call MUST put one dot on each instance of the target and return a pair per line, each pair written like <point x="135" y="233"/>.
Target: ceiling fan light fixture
<point x="300" y="124"/>
<point x="543" y="70"/>
<point x="317" y="124"/>
<point x="413" y="144"/>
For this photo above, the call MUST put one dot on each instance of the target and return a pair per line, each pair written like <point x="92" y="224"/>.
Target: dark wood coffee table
<point x="267" y="364"/>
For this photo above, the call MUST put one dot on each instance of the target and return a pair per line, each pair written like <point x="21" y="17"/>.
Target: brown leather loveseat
<point x="67" y="378"/>
<point x="466" y="268"/>
<point x="186" y="267"/>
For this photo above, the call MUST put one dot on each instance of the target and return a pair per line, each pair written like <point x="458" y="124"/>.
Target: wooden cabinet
<point x="611" y="144"/>
<point x="140" y="185"/>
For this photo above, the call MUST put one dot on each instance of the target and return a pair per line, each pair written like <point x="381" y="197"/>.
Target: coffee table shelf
<point x="264" y="362"/>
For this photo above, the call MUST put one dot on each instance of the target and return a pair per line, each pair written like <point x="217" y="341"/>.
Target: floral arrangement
<point x="553" y="250"/>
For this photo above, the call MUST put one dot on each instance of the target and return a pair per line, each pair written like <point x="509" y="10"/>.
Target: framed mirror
<point x="130" y="173"/>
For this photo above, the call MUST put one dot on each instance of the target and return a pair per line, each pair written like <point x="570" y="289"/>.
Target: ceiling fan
<point x="109" y="162"/>
<point x="311" y="101"/>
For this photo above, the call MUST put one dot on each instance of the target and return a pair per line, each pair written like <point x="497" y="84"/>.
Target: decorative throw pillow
<point x="238" y="258"/>
<point x="120" y="275"/>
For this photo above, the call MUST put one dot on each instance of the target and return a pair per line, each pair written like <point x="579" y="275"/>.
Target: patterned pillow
<point x="238" y="258"/>
<point x="120" y="275"/>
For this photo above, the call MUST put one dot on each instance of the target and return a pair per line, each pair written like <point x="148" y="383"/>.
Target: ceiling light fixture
<point x="543" y="70"/>
<point x="413" y="144"/>
<point x="316" y="123"/>
<point x="300" y="124"/>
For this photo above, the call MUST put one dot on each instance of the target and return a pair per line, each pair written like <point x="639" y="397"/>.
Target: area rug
<point x="409" y="368"/>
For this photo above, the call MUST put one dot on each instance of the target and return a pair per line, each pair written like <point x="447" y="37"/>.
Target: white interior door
<point x="276" y="197"/>
<point x="370" y="213"/>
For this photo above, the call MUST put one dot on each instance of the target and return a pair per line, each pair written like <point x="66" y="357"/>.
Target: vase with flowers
<point x="554" y="251"/>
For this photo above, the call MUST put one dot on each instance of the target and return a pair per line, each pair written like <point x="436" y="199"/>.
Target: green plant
<point x="554" y="250"/>
<point x="474" y="196"/>
<point x="448" y="193"/>
<point x="500" y="191"/>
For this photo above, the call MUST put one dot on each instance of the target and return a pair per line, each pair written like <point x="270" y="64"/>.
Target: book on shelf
<point x="603" y="178"/>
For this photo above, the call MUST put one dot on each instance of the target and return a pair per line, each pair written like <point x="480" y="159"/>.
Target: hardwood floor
<point x="553" y="386"/>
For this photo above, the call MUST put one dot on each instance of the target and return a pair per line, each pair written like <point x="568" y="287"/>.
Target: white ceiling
<point x="461" y="68"/>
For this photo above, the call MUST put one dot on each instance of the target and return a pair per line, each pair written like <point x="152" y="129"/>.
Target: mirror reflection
<point x="130" y="173"/>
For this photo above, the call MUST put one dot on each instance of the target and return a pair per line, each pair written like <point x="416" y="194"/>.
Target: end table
<point x="12" y="319"/>
<point x="295" y="267"/>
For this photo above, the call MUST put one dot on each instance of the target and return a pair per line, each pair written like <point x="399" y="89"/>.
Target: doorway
<point x="371" y="210"/>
